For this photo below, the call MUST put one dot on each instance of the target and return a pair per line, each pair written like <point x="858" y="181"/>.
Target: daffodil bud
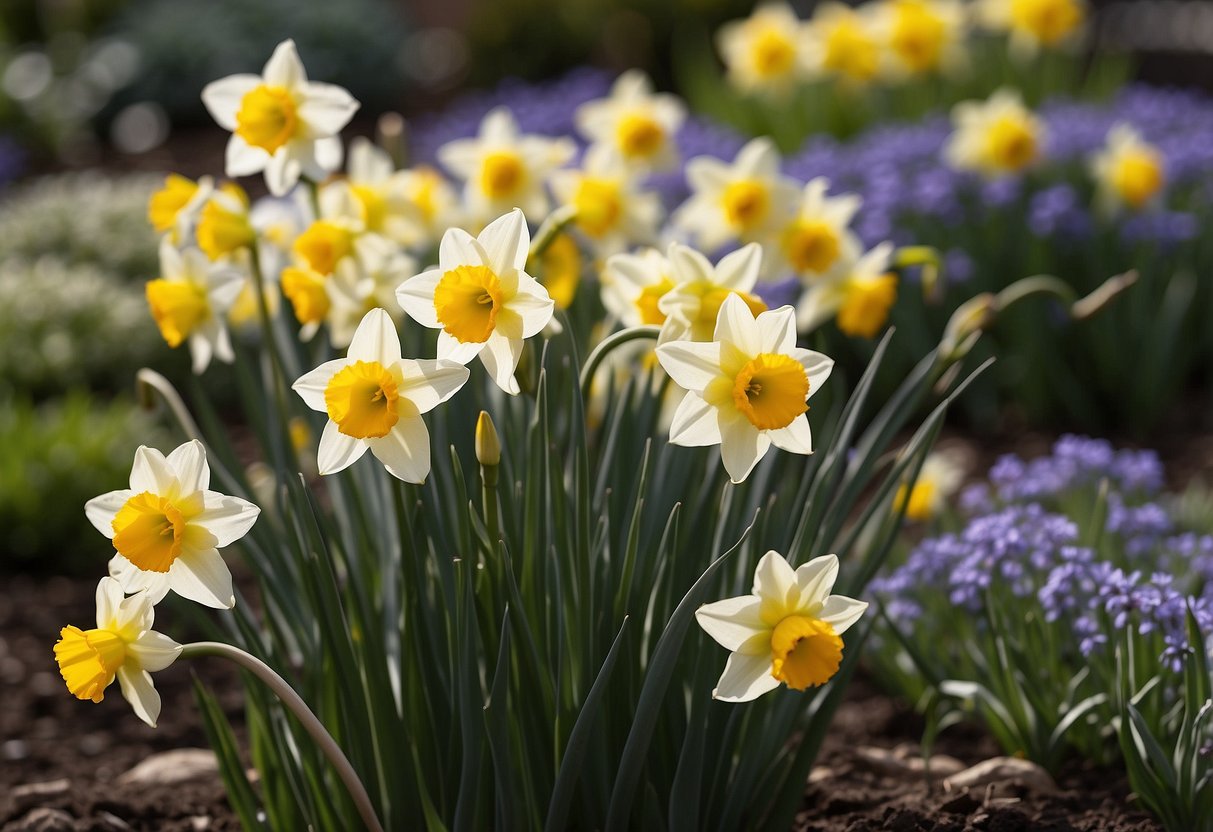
<point x="488" y="446"/>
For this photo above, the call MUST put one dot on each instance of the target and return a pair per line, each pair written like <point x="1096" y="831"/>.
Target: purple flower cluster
<point x="1019" y="543"/>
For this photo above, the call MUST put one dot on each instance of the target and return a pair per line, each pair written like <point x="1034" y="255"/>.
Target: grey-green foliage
<point x="87" y="217"/>
<point x="56" y="457"/>
<point x="64" y="326"/>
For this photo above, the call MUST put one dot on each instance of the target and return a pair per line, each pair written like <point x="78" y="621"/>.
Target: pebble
<point x="200" y="823"/>
<point x="29" y="795"/>
<point x="14" y="750"/>
<point x="174" y="766"/>
<point x="42" y="820"/>
<point x="999" y="770"/>
<point x="109" y="822"/>
<point x="906" y="760"/>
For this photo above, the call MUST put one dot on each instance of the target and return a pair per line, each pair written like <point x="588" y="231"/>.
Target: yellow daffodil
<point x="432" y="204"/>
<point x="634" y="121"/>
<point x="859" y="297"/>
<point x="374" y="400"/>
<point x="502" y="169"/>
<point x="1129" y="171"/>
<point x="612" y="212"/>
<point x="818" y="241"/>
<point x="922" y="36"/>
<point x="189" y="301"/>
<point x="842" y="42"/>
<point x="634" y="284"/>
<point x="560" y="267"/>
<point x="123" y="646"/>
<point x="996" y="137"/>
<point x="748" y="200"/>
<point x="380" y="192"/>
<point x="765" y="52"/>
<point x="1034" y="24"/>
<point x="281" y="123"/>
<point x="746" y="388"/>
<point x="481" y="298"/>
<point x="356" y="289"/>
<point x="307" y="290"/>
<point x="940" y="476"/>
<point x="174" y="208"/>
<point x="691" y="307"/>
<point x="225" y="225"/>
<point x="788" y="630"/>
<point x="168" y="526"/>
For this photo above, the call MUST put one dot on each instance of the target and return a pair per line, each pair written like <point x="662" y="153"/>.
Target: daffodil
<point x="765" y="52"/>
<point x="818" y="241"/>
<point x="174" y="208"/>
<point x="748" y="200"/>
<point x="634" y="284"/>
<point x="611" y="209"/>
<point x="788" y="630"/>
<point x="225" y="225"/>
<point x="379" y="189"/>
<point x="860" y="297"/>
<point x="995" y="137"/>
<point x="1034" y="24"/>
<point x="433" y="205"/>
<point x="123" y="646"/>
<point x="189" y="301"/>
<point x="1129" y="171"/>
<point x="941" y="474"/>
<point x="502" y="169"/>
<point x="691" y="307"/>
<point x="747" y="388"/>
<point x="922" y="36"/>
<point x="281" y="123"/>
<point x="307" y="290"/>
<point x="842" y="42"/>
<point x="481" y="298"/>
<point x="560" y="267"/>
<point x="355" y="289"/>
<point x="168" y="526"/>
<point x="636" y="122"/>
<point x="374" y="400"/>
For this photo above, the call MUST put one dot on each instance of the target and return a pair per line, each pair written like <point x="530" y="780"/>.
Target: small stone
<point x="174" y="766"/>
<point x="200" y="823"/>
<point x="999" y="770"/>
<point x="29" y="795"/>
<point x="42" y="820"/>
<point x="14" y="750"/>
<point x="820" y="773"/>
<point x="109" y="822"/>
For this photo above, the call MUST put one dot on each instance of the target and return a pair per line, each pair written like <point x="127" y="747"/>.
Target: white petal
<point x="242" y="159"/>
<point x="777" y="330"/>
<point x="695" y="423"/>
<point x="428" y="382"/>
<point x="376" y="339"/>
<point x="774" y="578"/>
<point x="816" y="365"/>
<point x="816" y="578"/>
<point x="326" y="109"/>
<point x="154" y="651"/>
<point x="500" y="357"/>
<point x="337" y="451"/>
<point x="327" y="154"/>
<point x="796" y="438"/>
<point x="282" y="172"/>
<point x="227" y="518"/>
<point x="151" y="471"/>
<point x="459" y="248"/>
<point x="284" y="69"/>
<point x="506" y="242"/>
<point x="188" y="462"/>
<point x="840" y="612"/>
<point x="741" y="445"/>
<point x="405" y="450"/>
<point x="154" y="585"/>
<point x="201" y="350"/>
<point x="101" y="510"/>
<point x="736" y="623"/>
<point x="311" y="385"/>
<point x="223" y="98"/>
<point x="451" y="348"/>
<point x="416" y="297"/>
<point x="738" y="270"/>
<point x="109" y="598"/>
<point x="533" y="304"/>
<point x="705" y="173"/>
<point x="735" y="325"/>
<point x="688" y="265"/>
<point x="692" y="365"/>
<point x="745" y="677"/>
<point x="137" y="689"/>
<point x="203" y="576"/>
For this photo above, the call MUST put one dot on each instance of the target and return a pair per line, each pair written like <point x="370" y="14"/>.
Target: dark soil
<point x="46" y="736"/>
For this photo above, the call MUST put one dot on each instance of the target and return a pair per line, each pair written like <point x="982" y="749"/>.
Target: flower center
<point x="1012" y="143"/>
<point x="267" y="117"/>
<point x="709" y="310"/>
<point x="467" y="300"/>
<point x="921" y="500"/>
<point x="650" y="296"/>
<point x="851" y="52"/>
<point x="502" y="175"/>
<point x="866" y="306"/>
<point x="361" y="400"/>
<point x="178" y="307"/>
<point x="771" y="390"/>
<point x="746" y="204"/>
<point x="773" y="53"/>
<point x="918" y="36"/>
<point x="222" y="231"/>
<point x="1137" y="177"/>
<point x="306" y="291"/>
<point x="374" y="206"/>
<point x="88" y="660"/>
<point x="1048" y="20"/>
<point x="166" y="203"/>
<point x="148" y="531"/>
<point x="323" y="244"/>
<point x="811" y="246"/>
<point x="598" y="205"/>
<point x="805" y="652"/>
<point x="639" y="135"/>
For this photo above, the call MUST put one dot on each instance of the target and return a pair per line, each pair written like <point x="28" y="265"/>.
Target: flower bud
<point x="488" y="446"/>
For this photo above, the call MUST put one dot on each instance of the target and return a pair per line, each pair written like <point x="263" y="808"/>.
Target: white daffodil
<point x="612" y="211"/>
<point x="1128" y="171"/>
<point x="433" y="205"/>
<point x="480" y="297"/>
<point x="168" y="526"/>
<point x="842" y="42"/>
<point x="692" y="306"/>
<point x="765" y="52"/>
<point x="636" y="122"/>
<point x="281" y="123"/>
<point x="747" y="388"/>
<point x="922" y="36"/>
<point x="174" y="208"/>
<point x="374" y="400"/>
<point x="189" y="301"/>
<point x="788" y="630"/>
<point x="380" y="192"/>
<point x="634" y="284"/>
<point x="938" y="479"/>
<point x="747" y="200"/>
<point x="354" y="290"/>
<point x="123" y="646"/>
<point x="996" y="137"/>
<point x="502" y="169"/>
<point x="818" y="242"/>
<point x="1034" y="24"/>
<point x="861" y="296"/>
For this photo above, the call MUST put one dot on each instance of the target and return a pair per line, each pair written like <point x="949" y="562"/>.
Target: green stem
<point x="148" y="382"/>
<point x="608" y="344"/>
<point x="306" y="718"/>
<point x="550" y="229"/>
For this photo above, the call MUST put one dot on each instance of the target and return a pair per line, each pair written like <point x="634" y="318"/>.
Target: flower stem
<point x="306" y="718"/>
<point x="603" y="349"/>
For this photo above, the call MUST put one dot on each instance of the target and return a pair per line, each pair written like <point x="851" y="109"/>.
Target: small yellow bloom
<point x="842" y="42"/>
<point x="817" y="242"/>
<point x="860" y="295"/>
<point x="172" y="208"/>
<point x="1034" y="24"/>
<point x="923" y="36"/>
<point x="996" y="137"/>
<point x="764" y="52"/>
<point x="940" y="476"/>
<point x="560" y="267"/>
<point x="189" y="300"/>
<point x="1128" y="171"/>
<point x="866" y="304"/>
<point x="224" y="227"/>
<point x="322" y="244"/>
<point x="612" y="212"/>
<point x="305" y="289"/>
<point x="692" y="307"/>
<point x="634" y="284"/>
